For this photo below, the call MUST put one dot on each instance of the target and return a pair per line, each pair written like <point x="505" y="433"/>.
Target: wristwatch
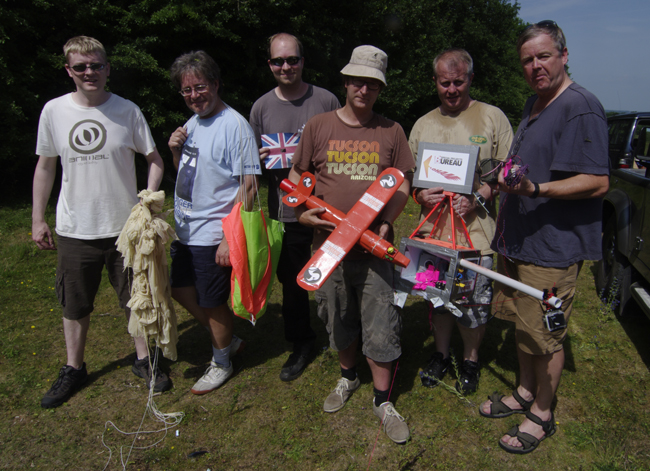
<point x="479" y="198"/>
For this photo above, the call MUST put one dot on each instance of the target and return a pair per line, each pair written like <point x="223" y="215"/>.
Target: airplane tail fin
<point x="298" y="195"/>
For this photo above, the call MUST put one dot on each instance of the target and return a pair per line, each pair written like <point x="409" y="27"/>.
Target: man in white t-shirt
<point x="96" y="134"/>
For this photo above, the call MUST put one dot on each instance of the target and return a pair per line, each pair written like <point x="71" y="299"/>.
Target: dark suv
<point x="628" y="138"/>
<point x="624" y="272"/>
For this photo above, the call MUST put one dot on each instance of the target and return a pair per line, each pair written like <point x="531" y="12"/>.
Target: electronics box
<point x="459" y="282"/>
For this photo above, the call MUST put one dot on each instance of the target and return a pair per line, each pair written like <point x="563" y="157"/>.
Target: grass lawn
<point x="257" y="422"/>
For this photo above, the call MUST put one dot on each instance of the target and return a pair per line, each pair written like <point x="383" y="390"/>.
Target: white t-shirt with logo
<point x="97" y="148"/>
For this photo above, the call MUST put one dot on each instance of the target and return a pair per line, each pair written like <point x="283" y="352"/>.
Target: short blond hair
<point x="84" y="45"/>
<point x="453" y="57"/>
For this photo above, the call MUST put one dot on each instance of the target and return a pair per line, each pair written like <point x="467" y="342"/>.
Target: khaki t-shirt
<point x="483" y="125"/>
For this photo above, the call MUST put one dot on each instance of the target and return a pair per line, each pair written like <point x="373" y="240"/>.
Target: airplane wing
<point x="350" y="229"/>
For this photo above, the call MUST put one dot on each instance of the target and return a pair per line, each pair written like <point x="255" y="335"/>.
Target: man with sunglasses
<point x="548" y="224"/>
<point x="218" y="164"/>
<point x="346" y="149"/>
<point x="96" y="134"/>
<point x="278" y="117"/>
<point x="462" y="120"/>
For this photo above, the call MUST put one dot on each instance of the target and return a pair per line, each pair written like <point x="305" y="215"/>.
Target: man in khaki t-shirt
<point x="463" y="121"/>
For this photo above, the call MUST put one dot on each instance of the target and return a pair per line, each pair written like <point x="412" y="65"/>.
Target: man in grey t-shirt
<point x="277" y="119"/>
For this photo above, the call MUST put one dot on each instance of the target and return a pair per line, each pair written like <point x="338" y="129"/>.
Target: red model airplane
<point x="351" y="228"/>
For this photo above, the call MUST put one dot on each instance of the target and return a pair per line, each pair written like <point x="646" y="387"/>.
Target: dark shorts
<point x="194" y="265"/>
<point x="79" y="273"/>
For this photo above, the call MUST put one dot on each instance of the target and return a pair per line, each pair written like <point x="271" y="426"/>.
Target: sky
<point x="608" y="43"/>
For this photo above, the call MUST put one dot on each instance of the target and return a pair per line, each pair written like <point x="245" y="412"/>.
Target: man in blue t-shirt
<point x="547" y="225"/>
<point x="217" y="162"/>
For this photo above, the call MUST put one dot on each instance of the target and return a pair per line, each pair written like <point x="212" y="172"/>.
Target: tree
<point x="143" y="37"/>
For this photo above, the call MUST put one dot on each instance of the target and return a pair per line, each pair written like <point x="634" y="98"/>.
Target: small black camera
<point x="554" y="320"/>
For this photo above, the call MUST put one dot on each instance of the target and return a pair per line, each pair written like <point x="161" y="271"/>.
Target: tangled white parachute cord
<point x="142" y="244"/>
<point x="169" y="420"/>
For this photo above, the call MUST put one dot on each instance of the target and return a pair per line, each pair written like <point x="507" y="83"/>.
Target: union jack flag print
<point x="282" y="145"/>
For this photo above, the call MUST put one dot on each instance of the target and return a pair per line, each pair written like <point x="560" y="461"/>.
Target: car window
<point x="619" y="131"/>
<point x="641" y="138"/>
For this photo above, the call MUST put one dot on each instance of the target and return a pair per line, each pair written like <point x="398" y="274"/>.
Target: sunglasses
<point x="198" y="89"/>
<point x="81" y="68"/>
<point x="357" y="82"/>
<point x="548" y="24"/>
<point x="279" y="61"/>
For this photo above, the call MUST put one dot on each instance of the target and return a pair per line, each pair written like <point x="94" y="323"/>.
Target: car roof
<point x="645" y="114"/>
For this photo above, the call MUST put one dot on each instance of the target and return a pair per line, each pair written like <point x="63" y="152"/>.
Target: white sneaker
<point x="214" y="377"/>
<point x="236" y="345"/>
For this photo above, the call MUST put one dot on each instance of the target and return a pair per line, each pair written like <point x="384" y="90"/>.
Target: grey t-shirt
<point x="271" y="115"/>
<point x="569" y="137"/>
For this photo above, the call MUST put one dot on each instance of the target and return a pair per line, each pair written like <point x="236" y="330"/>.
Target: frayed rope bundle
<point x="142" y="244"/>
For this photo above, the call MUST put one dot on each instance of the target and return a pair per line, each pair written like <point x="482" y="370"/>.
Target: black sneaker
<point x="69" y="382"/>
<point x="141" y="369"/>
<point x="297" y="362"/>
<point x="435" y="370"/>
<point x="468" y="377"/>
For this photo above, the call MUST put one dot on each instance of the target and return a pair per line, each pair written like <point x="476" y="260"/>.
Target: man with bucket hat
<point x="346" y="150"/>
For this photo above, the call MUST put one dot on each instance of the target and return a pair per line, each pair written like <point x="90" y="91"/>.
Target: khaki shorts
<point x="358" y="299"/>
<point x="79" y="272"/>
<point x="527" y="312"/>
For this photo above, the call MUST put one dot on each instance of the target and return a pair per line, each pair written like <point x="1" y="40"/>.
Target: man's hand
<point x="222" y="257"/>
<point x="41" y="189"/>
<point x="42" y="235"/>
<point x="383" y="230"/>
<point x="310" y="218"/>
<point x="525" y="187"/>
<point x="176" y="142"/>
<point x="429" y="197"/>
<point x="177" y="139"/>
<point x="264" y="154"/>
<point x="463" y="205"/>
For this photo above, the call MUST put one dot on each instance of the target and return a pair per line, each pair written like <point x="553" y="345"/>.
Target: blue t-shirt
<point x="217" y="153"/>
<point x="569" y="137"/>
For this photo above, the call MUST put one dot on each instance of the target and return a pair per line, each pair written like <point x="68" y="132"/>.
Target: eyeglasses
<point x="279" y="61"/>
<point x="198" y="89"/>
<point x="81" y="68"/>
<point x="359" y="83"/>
